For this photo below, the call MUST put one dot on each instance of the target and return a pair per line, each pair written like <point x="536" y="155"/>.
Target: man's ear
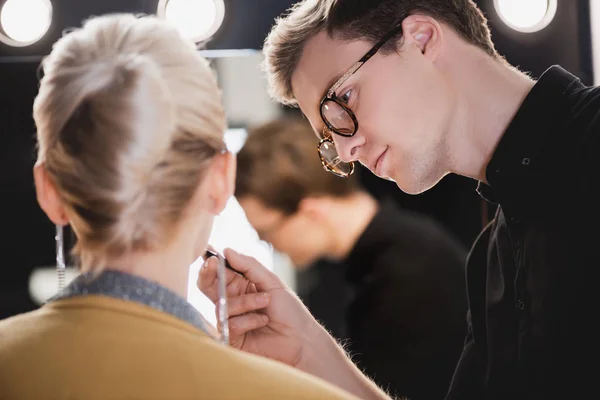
<point x="222" y="181"/>
<point x="315" y="208"/>
<point x="47" y="196"/>
<point x="425" y="33"/>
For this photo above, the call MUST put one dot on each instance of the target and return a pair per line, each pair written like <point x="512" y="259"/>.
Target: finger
<point x="247" y="303"/>
<point x="210" y="252"/>
<point x="208" y="281"/>
<point x="252" y="288"/>
<point x="243" y="324"/>
<point x="254" y="271"/>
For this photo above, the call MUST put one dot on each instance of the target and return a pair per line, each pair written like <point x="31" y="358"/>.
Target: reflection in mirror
<point x="246" y="103"/>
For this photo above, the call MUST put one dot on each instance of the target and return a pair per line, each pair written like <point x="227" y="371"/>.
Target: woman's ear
<point x="47" y="196"/>
<point x="222" y="181"/>
<point x="231" y="171"/>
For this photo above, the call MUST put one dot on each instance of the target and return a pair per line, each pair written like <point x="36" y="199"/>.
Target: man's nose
<point x="348" y="148"/>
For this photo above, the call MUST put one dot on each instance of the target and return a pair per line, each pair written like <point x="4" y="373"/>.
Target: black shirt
<point x="406" y="322"/>
<point x="532" y="274"/>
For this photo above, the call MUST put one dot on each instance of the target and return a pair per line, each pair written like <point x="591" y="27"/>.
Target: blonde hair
<point x="128" y="115"/>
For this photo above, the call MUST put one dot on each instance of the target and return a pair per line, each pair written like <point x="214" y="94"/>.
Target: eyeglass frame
<point x="331" y="96"/>
<point x="328" y="139"/>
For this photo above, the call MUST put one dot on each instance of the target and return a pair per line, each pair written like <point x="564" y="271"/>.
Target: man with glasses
<point x="387" y="282"/>
<point x="414" y="90"/>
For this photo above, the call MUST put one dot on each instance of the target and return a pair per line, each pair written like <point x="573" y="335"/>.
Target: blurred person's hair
<point x="368" y="20"/>
<point x="279" y="165"/>
<point x="128" y="116"/>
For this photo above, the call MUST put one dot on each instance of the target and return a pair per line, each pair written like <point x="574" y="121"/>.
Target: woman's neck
<point x="168" y="267"/>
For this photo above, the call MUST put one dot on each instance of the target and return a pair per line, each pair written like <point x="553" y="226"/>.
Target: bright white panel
<point x="231" y="229"/>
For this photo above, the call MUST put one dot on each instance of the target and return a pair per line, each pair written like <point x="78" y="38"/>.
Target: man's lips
<point x="379" y="163"/>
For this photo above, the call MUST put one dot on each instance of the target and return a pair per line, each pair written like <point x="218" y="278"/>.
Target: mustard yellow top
<point x="97" y="347"/>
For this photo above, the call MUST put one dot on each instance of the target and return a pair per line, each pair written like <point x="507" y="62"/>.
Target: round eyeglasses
<point x="330" y="158"/>
<point x="338" y="117"/>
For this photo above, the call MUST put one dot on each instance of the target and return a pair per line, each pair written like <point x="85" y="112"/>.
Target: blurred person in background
<point x="130" y="131"/>
<point x="406" y="323"/>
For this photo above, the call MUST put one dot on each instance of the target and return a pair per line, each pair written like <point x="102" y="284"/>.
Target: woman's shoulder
<point x="72" y="342"/>
<point x="18" y="326"/>
<point x="264" y="378"/>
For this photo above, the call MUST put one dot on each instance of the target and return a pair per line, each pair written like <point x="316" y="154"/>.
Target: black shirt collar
<point x="519" y="161"/>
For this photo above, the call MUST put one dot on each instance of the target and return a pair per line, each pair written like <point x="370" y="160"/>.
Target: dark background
<point x="27" y="238"/>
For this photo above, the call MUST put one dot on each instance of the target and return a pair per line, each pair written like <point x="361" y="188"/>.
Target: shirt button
<point x="525" y="161"/>
<point x="521" y="305"/>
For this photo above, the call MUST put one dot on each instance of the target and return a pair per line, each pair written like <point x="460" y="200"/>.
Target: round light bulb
<point x="25" y="21"/>
<point x="196" y="19"/>
<point x="526" y="15"/>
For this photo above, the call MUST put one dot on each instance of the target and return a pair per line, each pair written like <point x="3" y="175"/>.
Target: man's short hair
<point x="280" y="166"/>
<point x="349" y="20"/>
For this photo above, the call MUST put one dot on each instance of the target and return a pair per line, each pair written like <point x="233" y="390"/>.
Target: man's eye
<point x="345" y="98"/>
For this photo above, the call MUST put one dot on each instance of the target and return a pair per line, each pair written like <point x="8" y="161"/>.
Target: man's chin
<point x="416" y="186"/>
<point x="385" y="177"/>
<point x="412" y="186"/>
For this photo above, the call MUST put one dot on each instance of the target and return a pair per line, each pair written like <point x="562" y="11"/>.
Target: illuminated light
<point x="197" y="20"/>
<point x="43" y="282"/>
<point x="231" y="229"/>
<point x="526" y="15"/>
<point x="24" y="22"/>
<point x="235" y="139"/>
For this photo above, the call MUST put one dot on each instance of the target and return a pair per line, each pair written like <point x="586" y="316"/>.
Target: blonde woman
<point x="131" y="156"/>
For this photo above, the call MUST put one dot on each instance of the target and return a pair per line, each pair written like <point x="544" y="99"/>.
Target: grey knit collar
<point x="127" y="287"/>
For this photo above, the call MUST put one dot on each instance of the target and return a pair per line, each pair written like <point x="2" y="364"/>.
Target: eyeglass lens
<point x="331" y="157"/>
<point x="338" y="118"/>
